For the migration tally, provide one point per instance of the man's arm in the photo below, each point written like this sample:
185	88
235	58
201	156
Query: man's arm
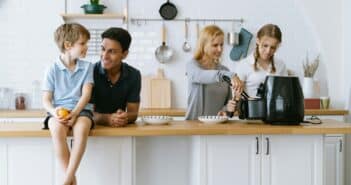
119	118
102	119
132	111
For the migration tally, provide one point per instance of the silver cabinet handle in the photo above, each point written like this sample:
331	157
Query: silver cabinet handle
257	146
268	149
340	145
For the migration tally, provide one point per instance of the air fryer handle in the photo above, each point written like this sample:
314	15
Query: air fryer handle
260	90
227	79
242	105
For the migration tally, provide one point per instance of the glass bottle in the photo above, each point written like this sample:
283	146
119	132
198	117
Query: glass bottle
36	95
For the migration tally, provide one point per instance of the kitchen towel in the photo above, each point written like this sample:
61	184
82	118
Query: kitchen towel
241	49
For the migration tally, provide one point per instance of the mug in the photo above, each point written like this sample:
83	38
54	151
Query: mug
325	101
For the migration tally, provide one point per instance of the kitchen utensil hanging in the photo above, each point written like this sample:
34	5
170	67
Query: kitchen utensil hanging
233	36
168	11
164	53
197	30
186	45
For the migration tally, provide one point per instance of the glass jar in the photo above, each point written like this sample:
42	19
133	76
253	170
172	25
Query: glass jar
36	95
20	101
5	97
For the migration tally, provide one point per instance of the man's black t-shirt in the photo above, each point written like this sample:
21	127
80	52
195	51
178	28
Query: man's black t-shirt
109	97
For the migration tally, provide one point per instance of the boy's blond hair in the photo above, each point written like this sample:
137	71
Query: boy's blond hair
70	32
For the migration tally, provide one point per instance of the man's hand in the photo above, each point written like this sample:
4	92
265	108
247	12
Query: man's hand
119	119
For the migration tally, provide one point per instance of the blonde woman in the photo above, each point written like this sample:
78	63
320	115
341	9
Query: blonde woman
254	69
208	94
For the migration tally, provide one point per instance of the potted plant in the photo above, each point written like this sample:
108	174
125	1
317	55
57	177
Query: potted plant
94	7
309	68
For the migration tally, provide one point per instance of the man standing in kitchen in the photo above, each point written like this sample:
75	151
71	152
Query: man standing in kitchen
116	93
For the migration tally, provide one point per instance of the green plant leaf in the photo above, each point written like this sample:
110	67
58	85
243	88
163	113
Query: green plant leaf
94	2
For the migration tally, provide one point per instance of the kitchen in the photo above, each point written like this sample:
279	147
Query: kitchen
311	27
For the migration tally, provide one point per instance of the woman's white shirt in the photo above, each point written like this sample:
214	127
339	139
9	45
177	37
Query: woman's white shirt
252	78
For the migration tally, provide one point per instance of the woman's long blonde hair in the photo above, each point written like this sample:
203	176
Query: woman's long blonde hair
207	34
270	30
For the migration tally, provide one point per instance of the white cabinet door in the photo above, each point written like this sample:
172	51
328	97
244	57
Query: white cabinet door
334	160
292	159
26	161
162	160
3	162
107	161
228	160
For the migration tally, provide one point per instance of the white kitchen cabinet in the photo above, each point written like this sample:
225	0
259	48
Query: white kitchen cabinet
334	160
162	160
107	161
26	161
226	160
292	159
258	160
3	163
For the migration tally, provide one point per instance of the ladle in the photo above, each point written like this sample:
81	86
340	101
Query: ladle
164	53
186	45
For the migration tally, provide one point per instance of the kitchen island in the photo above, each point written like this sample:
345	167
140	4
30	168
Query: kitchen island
183	128
236	152
179	112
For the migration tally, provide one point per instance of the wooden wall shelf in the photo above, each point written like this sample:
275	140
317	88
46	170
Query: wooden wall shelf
93	16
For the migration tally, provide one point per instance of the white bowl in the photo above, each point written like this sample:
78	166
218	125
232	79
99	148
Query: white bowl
156	120
212	119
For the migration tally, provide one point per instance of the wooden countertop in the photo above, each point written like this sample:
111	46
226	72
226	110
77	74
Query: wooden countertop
42	113
235	127
148	112
330	112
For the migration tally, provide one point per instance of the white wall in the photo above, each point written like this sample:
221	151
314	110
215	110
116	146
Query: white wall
27	46
347	83
327	24
26	42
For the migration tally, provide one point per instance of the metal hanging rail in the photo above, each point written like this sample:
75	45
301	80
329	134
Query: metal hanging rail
136	20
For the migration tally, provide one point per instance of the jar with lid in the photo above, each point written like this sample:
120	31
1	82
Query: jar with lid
20	101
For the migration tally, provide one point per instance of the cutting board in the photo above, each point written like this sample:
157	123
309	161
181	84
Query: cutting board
156	91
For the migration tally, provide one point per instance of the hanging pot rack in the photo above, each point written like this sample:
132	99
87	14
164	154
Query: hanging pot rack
138	21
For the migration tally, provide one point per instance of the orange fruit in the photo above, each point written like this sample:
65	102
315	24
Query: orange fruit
62	112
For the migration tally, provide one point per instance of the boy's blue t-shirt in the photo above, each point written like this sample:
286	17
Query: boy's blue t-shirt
65	85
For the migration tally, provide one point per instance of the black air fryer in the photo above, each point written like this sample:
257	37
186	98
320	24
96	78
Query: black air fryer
280	103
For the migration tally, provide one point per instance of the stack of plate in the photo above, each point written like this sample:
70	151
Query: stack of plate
156	120
212	119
